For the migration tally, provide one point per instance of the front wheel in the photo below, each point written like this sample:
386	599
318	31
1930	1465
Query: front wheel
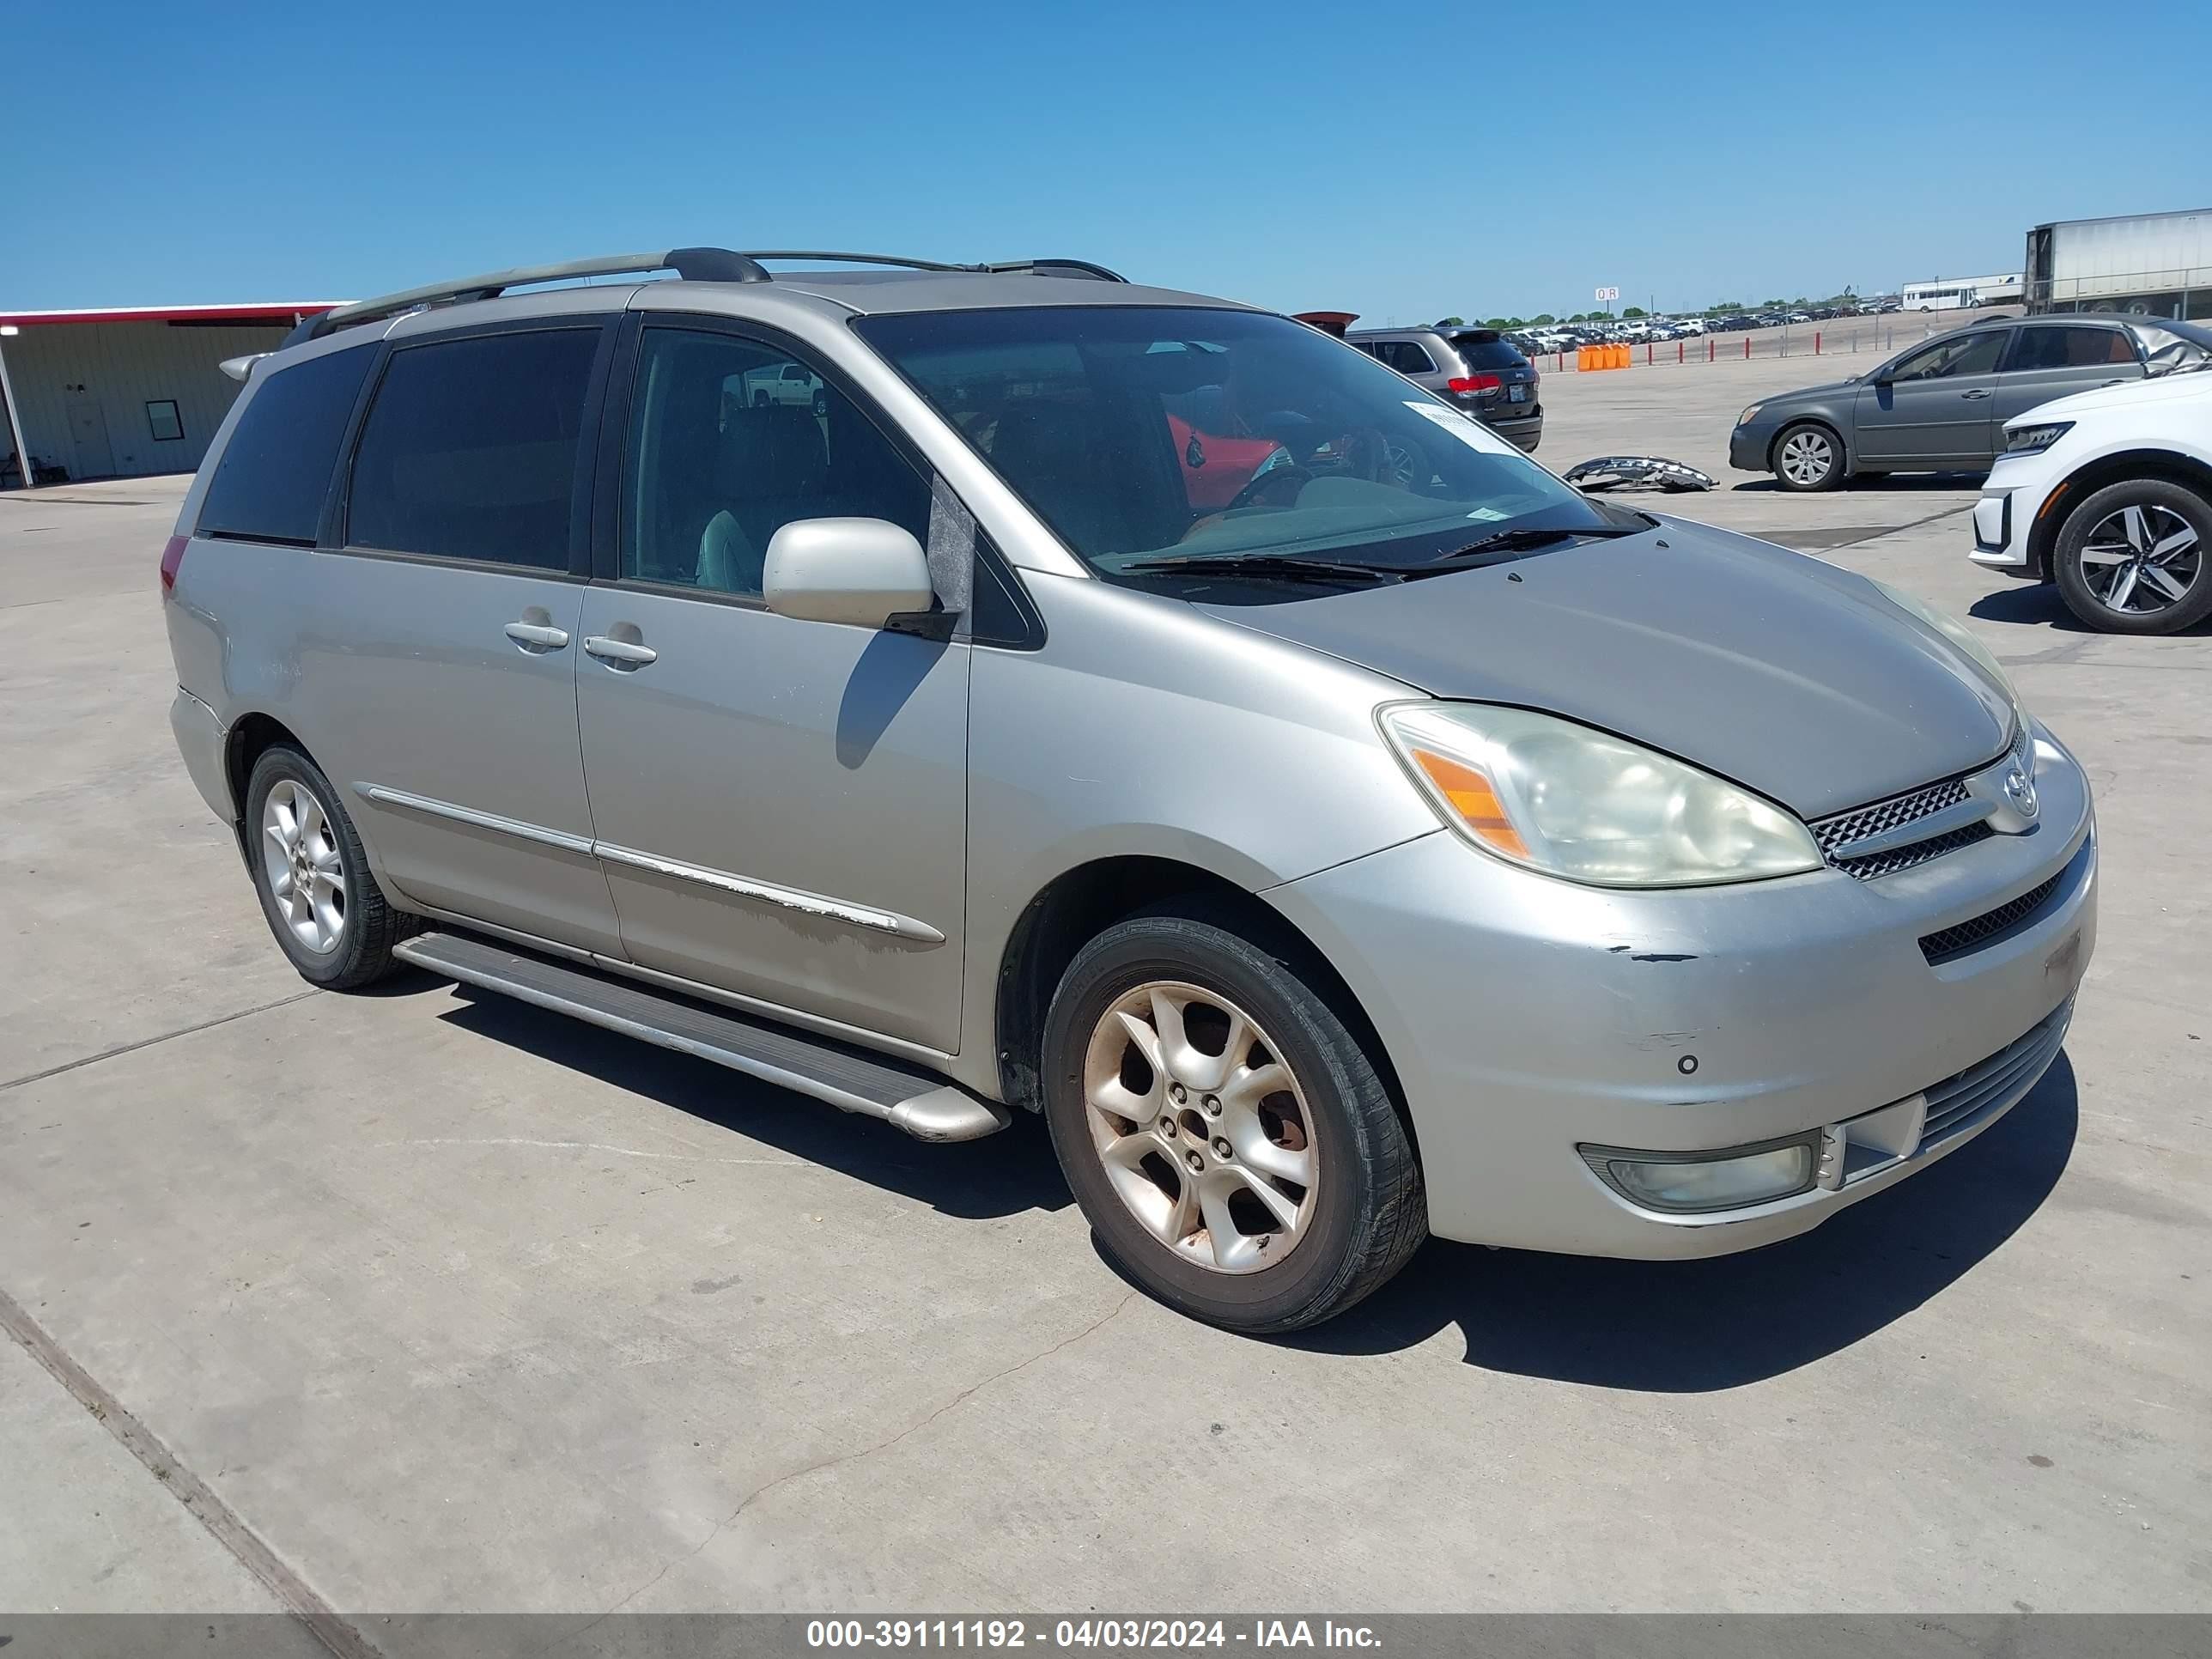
1233	1146
2131	558
1807	458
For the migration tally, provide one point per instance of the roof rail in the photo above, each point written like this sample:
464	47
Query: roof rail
694	265
697	265
1036	267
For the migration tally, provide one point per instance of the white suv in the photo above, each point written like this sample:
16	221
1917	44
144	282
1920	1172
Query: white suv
2109	494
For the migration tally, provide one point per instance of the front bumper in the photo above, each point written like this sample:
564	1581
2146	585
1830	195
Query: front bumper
1528	1019
2005	516
1750	448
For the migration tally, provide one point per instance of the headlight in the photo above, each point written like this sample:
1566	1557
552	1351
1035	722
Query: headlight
2034	439
1554	796
1744	419
1961	636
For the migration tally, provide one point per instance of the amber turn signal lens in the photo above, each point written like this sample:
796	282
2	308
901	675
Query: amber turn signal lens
1471	796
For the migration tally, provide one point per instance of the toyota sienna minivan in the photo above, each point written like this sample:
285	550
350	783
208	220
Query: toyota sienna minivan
1130	707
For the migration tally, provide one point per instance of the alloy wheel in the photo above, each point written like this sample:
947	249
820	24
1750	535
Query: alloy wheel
1806	458
1203	1131
305	869
2141	560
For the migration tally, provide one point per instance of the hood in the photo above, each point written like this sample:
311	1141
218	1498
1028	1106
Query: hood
2193	385
1828	389
1790	675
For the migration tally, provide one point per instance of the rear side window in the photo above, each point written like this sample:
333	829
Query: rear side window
270	484
2071	347
470	449
1407	357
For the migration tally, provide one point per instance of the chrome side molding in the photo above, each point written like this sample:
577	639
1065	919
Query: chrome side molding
764	892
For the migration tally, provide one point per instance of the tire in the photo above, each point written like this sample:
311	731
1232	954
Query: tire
821	404
1354	1221
1807	458
2107	549
361	924
760	400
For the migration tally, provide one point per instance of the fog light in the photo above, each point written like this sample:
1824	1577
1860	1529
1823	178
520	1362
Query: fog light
1690	1182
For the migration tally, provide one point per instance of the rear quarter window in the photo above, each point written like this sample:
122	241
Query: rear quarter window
270	482
1488	354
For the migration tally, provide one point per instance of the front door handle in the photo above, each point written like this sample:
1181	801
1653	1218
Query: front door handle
536	636
619	653
1984	393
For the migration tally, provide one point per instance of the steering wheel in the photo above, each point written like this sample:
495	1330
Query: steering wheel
1365	453
1267	483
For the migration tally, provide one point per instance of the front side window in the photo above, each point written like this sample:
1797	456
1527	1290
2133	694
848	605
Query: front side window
471	447
732	439
1137	433
276	468
1949	359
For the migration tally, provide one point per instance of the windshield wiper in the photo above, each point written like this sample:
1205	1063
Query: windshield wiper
1503	541
1284	565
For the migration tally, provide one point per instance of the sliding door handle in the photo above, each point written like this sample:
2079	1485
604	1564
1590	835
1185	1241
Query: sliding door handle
619	653
536	636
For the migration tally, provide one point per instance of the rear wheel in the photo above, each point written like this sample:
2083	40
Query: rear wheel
1233	1146
1807	458
313	877
2131	558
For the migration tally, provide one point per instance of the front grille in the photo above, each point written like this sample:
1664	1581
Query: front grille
1845	828
1904	858
1977	931
1958	1103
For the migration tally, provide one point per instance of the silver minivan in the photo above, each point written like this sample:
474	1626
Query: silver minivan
1130	707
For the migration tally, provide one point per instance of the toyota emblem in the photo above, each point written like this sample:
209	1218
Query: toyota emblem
2020	793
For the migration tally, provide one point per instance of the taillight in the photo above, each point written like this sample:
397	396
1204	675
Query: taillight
1475	383
172	556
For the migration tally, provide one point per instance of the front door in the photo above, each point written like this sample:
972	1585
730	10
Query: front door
1934	406
780	806
443	684
2060	359
95	456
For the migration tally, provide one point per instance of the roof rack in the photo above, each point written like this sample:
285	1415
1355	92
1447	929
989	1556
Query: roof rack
697	264
692	265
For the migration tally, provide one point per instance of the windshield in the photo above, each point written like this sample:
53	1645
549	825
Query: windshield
1139	434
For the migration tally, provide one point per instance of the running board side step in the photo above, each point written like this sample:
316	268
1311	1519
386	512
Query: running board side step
852	1079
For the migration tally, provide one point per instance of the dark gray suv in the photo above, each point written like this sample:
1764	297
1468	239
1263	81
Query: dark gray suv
1476	369
1940	404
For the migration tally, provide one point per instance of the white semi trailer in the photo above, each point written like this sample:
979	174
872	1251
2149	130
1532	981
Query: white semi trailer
2149	264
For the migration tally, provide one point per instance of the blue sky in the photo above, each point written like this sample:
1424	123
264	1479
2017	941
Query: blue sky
1403	161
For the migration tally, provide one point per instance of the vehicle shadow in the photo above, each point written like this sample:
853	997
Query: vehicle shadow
2038	604
1695	1327
2031	604
1009	1174
1879	484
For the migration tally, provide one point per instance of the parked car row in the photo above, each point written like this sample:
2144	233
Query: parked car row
1567	337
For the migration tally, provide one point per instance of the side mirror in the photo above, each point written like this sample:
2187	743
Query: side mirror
861	572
